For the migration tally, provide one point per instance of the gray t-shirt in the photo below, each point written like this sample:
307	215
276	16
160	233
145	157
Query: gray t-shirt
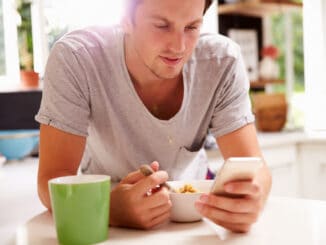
88	92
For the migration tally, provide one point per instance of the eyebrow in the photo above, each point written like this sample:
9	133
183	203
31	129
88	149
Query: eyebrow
197	21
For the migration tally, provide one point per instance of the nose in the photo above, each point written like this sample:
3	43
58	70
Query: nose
177	42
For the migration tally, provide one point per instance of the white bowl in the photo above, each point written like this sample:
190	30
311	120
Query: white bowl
183	204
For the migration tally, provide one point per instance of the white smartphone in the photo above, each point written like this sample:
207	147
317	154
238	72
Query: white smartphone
235	169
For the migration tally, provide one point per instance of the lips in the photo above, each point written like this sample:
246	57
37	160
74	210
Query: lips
171	61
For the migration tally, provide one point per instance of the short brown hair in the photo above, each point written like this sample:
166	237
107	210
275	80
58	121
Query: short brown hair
132	4
207	4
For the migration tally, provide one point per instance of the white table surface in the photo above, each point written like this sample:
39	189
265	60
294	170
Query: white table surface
284	221
18	196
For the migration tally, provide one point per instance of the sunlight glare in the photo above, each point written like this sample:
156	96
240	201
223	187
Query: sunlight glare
81	13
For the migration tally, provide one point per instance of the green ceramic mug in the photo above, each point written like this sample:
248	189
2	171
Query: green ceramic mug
80	206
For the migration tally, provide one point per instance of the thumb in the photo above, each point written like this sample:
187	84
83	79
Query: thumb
155	166
151	181
135	176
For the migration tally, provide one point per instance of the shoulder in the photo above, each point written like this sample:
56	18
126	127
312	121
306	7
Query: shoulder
215	46
87	38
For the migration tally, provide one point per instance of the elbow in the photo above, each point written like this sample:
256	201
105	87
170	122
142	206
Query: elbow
43	192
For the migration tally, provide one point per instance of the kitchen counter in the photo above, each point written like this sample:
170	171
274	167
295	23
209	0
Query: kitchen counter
18	196
267	139
270	139
274	145
273	139
296	161
284	221
23	219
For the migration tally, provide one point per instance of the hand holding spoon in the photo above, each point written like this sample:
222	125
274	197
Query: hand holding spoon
147	170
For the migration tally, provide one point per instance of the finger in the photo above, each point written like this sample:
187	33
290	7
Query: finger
132	177
240	228
155	166
219	215
243	188
158	198
153	214
151	181
160	210
160	219
235	205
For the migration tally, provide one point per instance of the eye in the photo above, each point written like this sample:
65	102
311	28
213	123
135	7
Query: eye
162	26
192	27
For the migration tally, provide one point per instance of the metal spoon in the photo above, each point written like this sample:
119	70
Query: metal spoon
147	170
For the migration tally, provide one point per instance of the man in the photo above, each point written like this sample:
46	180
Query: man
116	98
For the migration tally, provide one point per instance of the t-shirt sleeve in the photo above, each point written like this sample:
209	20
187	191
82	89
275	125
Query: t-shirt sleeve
65	100
233	107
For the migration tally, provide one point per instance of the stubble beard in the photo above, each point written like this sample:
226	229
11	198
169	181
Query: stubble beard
162	75
155	72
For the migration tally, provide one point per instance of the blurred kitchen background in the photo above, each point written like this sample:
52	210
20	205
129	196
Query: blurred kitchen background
283	43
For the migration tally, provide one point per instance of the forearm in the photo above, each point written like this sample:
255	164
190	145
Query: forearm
60	155
43	189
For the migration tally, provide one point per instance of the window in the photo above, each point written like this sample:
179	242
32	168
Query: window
315	63
9	67
53	18
61	15
289	26
2	44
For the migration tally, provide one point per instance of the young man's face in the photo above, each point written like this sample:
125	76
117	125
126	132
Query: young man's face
163	35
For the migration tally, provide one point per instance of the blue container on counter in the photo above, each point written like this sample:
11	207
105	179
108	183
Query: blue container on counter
18	143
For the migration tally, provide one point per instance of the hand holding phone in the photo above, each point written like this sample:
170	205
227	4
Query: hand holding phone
235	169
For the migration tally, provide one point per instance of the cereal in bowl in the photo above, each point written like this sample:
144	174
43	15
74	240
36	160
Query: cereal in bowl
187	188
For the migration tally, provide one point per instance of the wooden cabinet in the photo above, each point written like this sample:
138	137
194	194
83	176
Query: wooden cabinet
297	164
259	84
282	161
312	158
258	7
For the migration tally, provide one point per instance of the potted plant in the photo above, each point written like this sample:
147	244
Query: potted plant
29	77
